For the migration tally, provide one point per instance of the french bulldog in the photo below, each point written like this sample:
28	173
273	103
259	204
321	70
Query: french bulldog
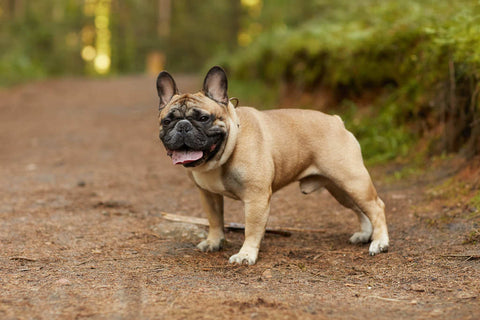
247	154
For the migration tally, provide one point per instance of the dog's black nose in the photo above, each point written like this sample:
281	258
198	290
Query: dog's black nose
183	126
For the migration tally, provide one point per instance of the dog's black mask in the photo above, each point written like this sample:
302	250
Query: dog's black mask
190	136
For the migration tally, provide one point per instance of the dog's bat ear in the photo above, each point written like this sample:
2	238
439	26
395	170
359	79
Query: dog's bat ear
166	88
215	85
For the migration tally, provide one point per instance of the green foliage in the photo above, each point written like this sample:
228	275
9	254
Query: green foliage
44	37
362	43
355	46
134	34
199	30
253	93
379	131
41	42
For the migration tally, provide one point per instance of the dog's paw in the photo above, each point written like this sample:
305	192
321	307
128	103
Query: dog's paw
360	237
211	245
378	246
243	258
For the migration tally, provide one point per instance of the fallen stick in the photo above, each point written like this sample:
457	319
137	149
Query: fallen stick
23	259
473	256
179	218
233	226
388	299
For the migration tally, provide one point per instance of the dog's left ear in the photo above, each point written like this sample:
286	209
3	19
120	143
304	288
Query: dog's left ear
166	88
215	85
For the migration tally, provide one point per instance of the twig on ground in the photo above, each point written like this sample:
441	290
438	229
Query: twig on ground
84	262
283	231
23	259
388	299
473	256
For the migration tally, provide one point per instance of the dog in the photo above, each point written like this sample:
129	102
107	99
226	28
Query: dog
246	154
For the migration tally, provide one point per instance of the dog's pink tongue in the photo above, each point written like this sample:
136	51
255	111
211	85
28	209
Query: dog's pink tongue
182	157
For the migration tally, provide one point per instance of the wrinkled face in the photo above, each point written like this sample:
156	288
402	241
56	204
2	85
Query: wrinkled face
193	129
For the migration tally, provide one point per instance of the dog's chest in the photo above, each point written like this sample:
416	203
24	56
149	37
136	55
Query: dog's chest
212	181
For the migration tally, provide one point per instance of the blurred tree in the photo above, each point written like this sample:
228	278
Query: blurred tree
134	34
39	38
164	14
47	37
261	16
199	30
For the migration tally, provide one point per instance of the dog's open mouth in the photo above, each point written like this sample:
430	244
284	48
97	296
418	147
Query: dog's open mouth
188	157
185	156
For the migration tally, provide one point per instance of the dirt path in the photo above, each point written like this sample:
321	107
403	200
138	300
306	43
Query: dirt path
84	179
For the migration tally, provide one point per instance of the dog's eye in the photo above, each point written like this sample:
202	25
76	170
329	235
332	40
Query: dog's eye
204	118
166	122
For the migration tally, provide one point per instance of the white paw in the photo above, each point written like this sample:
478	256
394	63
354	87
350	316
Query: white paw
360	237
378	246
211	245
243	258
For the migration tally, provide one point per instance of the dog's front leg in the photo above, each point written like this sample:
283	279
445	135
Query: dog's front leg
256	216
213	205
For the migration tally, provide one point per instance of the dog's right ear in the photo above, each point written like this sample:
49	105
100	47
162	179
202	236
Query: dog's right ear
166	88
215	85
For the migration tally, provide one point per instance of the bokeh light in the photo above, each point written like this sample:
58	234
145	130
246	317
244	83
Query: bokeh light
88	53
102	63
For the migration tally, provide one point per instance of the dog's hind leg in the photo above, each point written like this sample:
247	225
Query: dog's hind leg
366	229
370	210
353	179
315	182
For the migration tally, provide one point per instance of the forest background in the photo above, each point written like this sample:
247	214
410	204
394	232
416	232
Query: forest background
403	74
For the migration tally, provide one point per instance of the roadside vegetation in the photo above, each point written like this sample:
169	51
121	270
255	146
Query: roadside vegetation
399	71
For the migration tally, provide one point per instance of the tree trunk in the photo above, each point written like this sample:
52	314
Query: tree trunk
164	14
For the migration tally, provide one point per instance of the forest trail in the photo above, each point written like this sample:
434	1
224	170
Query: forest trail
84	180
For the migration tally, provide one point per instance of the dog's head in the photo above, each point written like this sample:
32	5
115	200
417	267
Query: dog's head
194	128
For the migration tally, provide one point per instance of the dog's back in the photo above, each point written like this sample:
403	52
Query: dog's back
314	142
